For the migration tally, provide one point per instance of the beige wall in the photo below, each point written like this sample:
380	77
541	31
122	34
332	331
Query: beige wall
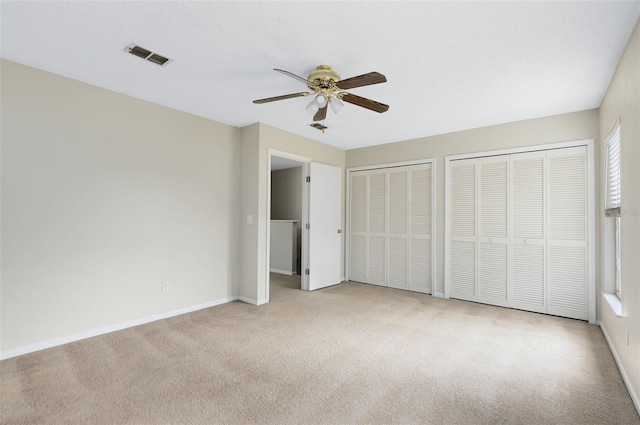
104	197
559	128
249	177
286	194
254	197
286	199
622	100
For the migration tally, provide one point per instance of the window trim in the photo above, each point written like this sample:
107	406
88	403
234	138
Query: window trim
617	254
613	201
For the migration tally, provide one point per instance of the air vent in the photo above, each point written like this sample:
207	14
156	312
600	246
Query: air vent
318	126
147	54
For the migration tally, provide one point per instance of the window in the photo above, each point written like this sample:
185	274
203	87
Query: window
612	208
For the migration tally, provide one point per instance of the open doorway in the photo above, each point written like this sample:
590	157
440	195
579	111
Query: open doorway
321	242
286	218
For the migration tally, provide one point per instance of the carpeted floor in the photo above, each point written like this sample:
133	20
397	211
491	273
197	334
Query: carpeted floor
347	354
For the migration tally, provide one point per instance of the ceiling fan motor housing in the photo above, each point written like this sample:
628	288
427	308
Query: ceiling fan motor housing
323	75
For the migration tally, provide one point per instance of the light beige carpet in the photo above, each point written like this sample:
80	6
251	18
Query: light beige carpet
348	354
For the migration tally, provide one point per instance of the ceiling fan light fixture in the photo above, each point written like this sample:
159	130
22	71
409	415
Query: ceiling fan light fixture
312	108
320	101
336	105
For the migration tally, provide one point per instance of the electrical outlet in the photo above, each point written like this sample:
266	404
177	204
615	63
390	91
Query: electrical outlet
626	335
165	286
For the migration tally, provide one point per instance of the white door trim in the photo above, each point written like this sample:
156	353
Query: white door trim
304	283
522	149
589	143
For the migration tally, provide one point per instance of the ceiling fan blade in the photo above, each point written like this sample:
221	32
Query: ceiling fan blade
303	80
321	114
364	102
285	96
361	80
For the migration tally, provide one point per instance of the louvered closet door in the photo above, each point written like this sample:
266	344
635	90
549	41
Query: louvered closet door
398	260
528	249
420	228
462	233
493	252
358	227
377	227
390	227
567	233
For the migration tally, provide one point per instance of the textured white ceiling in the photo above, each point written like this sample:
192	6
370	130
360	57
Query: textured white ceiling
450	65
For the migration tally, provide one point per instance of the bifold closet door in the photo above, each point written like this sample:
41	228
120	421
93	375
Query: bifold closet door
528	231
567	265
479	244
410	224
420	236
398	261
377	228
368	227
390	227
358	227
462	235
493	223
518	231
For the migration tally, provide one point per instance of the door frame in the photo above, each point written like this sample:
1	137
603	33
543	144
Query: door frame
591	221
304	279
347	250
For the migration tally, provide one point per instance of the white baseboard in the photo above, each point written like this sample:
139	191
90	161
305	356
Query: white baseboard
625	377
14	352
287	272
252	301
248	300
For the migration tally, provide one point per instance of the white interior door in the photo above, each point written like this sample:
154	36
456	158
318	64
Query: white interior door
324	225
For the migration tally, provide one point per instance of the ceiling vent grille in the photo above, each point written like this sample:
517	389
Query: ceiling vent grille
147	54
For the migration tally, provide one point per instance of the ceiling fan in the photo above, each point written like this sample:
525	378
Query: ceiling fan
326	85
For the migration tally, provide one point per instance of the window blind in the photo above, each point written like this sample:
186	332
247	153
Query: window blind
612	208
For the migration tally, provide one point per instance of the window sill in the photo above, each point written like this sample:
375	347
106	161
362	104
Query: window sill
614	303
